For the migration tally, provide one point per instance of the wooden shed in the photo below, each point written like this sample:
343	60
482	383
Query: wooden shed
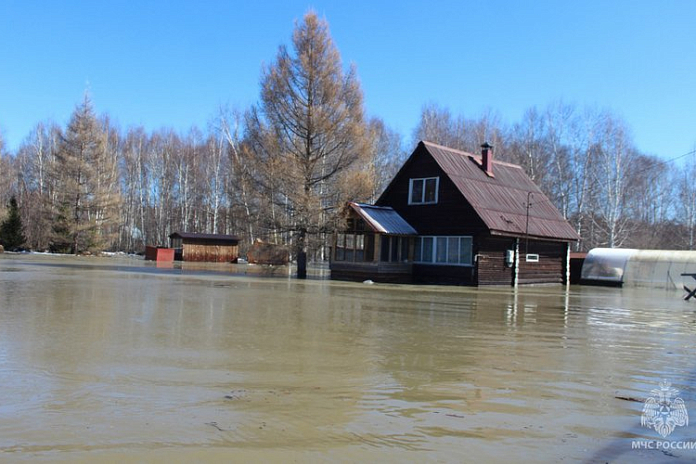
159	254
211	248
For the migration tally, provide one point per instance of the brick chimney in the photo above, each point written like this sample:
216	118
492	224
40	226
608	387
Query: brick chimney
487	158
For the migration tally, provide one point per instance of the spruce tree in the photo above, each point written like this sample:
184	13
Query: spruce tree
11	235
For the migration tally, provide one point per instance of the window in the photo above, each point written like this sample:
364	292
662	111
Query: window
352	247
453	250
384	249
423	191
427	256
359	248
341	248
444	250
394	249
405	242
441	250
532	258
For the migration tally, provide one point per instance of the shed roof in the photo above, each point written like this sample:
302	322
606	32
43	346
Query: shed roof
501	200
383	219
193	235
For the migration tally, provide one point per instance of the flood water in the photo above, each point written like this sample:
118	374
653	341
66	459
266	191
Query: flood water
115	360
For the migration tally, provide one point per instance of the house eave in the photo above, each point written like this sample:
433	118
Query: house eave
499	233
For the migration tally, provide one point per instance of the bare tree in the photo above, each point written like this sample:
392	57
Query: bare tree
37	193
8	176
386	157
530	147
687	200
238	188
136	179
437	125
306	132
614	155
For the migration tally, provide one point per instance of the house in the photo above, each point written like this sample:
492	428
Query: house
455	218
212	248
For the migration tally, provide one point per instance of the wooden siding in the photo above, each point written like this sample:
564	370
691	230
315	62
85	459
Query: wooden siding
551	265
448	275
153	253
576	262
452	215
210	253
490	265
400	273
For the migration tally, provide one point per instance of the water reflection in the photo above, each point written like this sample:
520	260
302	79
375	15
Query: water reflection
121	359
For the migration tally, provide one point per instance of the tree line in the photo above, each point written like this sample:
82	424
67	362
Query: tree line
282	169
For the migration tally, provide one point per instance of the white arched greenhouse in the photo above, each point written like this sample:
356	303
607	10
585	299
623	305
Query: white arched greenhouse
640	268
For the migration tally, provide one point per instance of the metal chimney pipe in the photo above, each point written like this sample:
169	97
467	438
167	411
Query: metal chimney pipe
487	158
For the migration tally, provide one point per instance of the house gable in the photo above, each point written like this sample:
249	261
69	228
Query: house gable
452	214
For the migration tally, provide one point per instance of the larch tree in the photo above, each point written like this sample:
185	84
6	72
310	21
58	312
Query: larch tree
87	191
306	133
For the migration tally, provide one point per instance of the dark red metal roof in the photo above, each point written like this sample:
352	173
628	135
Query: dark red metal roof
192	235
501	200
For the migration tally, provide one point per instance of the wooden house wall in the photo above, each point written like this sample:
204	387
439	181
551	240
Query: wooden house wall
452	215
551	265
395	273
490	265
210	253
439	274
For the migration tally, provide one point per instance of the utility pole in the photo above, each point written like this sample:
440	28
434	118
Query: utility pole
526	229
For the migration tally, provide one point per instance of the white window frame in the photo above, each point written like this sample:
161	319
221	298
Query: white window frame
424	180
447	238
532	258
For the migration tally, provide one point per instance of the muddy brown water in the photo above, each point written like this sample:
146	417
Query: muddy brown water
116	360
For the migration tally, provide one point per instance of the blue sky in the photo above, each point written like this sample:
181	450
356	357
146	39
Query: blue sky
172	64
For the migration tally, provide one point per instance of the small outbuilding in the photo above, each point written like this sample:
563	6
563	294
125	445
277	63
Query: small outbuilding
211	248
159	254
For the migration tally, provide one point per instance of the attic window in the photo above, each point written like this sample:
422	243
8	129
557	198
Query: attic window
423	191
